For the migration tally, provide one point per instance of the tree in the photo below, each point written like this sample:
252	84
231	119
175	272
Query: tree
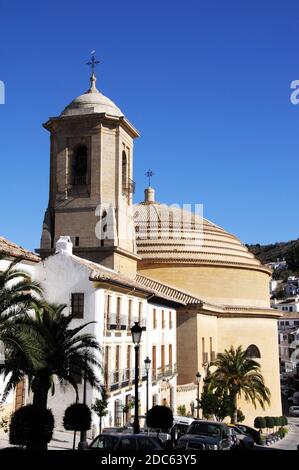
215	402
260	423
18	293
67	354
239	375
159	417
100	407
31	427
269	422
77	417
240	416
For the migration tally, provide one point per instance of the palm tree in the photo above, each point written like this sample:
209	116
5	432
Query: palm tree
239	375
66	352
18	293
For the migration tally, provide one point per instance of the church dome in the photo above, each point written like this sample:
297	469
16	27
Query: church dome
92	101
171	234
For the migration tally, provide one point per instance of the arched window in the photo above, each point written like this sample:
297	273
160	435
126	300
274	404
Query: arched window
124	174
79	167
253	352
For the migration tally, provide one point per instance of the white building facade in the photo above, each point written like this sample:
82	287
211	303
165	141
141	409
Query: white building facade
113	303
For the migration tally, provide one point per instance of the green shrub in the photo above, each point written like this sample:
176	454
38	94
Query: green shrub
31	427
240	416
276	421
281	421
77	417
282	432
181	410
269	422
286	422
159	417
260	423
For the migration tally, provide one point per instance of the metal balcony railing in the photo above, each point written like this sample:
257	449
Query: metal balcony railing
122	378
163	372
129	188
79	180
116	321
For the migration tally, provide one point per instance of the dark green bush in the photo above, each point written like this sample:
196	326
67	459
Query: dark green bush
159	417
31	427
286	422
77	417
276	421
260	422
282	432
281	421
269	422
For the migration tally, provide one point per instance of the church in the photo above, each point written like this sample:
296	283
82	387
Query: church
195	286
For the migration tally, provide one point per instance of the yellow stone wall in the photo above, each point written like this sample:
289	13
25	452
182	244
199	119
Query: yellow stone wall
263	333
215	284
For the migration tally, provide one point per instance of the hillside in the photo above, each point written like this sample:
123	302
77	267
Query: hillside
269	253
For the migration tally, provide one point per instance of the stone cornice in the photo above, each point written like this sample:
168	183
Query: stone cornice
95	119
151	262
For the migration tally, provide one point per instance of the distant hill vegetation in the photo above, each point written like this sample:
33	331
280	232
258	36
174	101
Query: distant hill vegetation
270	253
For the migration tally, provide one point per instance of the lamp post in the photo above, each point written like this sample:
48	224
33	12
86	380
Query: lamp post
198	377
83	442
147	364
136	331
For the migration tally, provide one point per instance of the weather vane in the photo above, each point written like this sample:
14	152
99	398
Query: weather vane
93	62
149	174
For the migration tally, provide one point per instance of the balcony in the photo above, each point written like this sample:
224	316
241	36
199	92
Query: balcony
163	372
116	322
79	180
129	188
122	378
130	323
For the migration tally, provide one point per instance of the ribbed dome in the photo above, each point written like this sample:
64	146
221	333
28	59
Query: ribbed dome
171	234
93	101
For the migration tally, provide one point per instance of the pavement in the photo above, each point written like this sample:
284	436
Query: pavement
62	440
291	440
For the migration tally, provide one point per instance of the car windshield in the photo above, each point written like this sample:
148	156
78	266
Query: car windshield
238	431
104	442
205	429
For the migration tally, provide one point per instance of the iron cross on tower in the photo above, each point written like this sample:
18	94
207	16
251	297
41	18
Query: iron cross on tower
93	62
149	174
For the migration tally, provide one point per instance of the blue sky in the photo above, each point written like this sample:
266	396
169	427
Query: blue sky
207	83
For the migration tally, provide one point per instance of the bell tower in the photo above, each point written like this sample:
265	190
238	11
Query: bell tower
91	185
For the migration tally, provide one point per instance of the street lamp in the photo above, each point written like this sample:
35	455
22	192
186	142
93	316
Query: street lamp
136	331
83	434
147	364
198	377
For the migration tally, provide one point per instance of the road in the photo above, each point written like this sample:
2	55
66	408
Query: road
291	441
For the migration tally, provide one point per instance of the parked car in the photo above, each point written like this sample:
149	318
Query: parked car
294	411
284	389
206	435
242	440
125	441
296	398
251	432
179	427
